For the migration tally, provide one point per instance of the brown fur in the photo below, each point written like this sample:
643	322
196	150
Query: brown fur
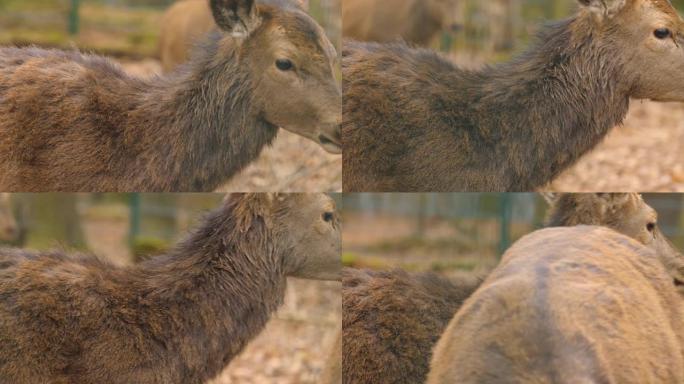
183	24
178	318
391	320
74	122
413	121
568	305
415	21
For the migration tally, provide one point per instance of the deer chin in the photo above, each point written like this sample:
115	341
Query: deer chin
329	141
329	145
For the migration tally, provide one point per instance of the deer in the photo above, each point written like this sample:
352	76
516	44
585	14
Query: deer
581	304
78	123
414	21
414	121
393	319
175	318
184	24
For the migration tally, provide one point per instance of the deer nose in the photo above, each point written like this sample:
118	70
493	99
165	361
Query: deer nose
330	139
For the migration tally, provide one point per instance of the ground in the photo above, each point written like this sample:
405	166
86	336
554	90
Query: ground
291	164
644	154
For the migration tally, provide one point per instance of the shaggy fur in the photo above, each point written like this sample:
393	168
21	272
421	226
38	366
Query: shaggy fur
74	122
413	121
177	318
391	321
568	305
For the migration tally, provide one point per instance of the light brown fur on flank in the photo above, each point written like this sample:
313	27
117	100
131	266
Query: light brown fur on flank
568	305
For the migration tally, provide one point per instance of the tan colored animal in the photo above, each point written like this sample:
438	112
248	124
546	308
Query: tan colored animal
182	26
415	21
9	229
177	318
414	122
74	122
568	305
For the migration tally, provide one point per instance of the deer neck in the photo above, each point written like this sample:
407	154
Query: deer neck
553	104
206	128
216	291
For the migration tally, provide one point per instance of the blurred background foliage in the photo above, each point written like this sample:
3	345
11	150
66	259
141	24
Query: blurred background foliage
499	28
461	233
123	228
120	28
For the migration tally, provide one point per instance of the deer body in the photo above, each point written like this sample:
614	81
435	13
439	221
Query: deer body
413	121
568	305
178	318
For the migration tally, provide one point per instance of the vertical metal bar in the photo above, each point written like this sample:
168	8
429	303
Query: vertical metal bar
506	216
74	17
134	218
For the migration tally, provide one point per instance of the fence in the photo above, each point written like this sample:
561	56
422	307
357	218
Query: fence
127	28
510	215
499	27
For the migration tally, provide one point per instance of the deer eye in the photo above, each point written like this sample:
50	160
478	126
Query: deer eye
662	33
284	64
328	217
650	227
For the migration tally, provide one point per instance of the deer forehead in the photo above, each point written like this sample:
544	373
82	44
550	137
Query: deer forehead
297	31
656	8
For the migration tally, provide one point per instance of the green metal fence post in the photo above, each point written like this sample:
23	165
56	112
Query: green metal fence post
73	17
506	217
134	207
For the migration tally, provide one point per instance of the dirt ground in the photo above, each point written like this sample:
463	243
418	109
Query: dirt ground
294	347
643	155
291	164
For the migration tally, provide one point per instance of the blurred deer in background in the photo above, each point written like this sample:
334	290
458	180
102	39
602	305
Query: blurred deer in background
415	21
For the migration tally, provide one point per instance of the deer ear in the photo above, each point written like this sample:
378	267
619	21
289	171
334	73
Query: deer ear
604	8
237	17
